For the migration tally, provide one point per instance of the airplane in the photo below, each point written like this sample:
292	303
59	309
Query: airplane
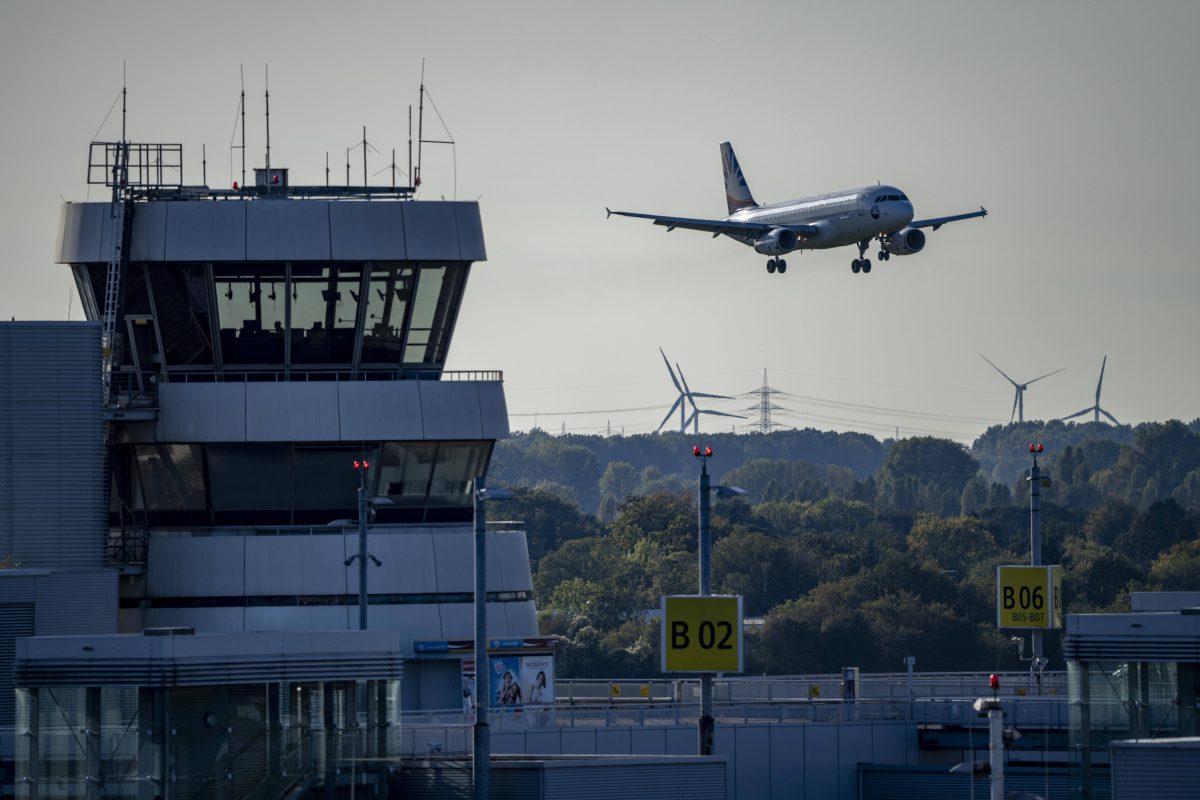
837	219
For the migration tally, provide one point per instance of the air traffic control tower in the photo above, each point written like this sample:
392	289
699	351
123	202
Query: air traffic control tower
257	342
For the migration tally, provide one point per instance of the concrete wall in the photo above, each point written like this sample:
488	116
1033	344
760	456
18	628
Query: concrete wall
278	230
416	561
325	412
797	761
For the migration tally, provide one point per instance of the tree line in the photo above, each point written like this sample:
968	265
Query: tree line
862	554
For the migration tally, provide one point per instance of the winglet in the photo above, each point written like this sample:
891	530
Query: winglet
984	210
607	212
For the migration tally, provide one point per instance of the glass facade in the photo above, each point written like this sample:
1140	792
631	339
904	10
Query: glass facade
260	740
1114	700
270	317
293	483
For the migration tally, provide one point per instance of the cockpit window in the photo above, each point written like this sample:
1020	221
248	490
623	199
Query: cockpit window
905	199
879	199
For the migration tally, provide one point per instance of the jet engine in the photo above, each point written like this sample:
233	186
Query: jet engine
906	242
777	242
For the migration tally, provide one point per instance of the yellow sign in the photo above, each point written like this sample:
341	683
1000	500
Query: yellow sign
701	634
616	690
644	690
1029	597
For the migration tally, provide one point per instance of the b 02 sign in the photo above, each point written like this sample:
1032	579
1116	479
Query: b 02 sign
1029	597
701	633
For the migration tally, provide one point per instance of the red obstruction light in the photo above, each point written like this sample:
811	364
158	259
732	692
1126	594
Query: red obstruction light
993	682
235	184
696	452
1031	448
1040	448
708	452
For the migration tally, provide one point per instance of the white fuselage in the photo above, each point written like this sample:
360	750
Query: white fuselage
842	218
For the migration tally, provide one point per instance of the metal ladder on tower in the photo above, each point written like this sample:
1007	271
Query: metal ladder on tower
119	214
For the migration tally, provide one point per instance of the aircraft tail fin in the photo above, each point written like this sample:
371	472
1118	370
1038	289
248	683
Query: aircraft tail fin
737	193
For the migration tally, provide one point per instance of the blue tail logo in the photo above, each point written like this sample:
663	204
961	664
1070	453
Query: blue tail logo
737	192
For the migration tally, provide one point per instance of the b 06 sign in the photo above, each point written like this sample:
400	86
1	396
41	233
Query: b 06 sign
1029	597
701	633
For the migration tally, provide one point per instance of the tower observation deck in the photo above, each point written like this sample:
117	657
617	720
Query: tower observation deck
263	339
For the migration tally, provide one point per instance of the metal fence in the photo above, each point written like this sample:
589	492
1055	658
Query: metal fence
875	686
449	731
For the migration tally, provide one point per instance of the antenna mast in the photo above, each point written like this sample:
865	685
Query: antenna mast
267	68
420	126
365	159
242	111
410	171
204	164
124	90
326	167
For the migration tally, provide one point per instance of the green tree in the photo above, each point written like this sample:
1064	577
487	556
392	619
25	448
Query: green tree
956	544
1109	522
620	479
763	569
548	519
913	464
1175	570
1095	577
1156	529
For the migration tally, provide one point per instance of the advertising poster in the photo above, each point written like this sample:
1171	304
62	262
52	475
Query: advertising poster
506	681
468	684
537	679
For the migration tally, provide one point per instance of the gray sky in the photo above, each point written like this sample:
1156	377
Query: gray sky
1074	123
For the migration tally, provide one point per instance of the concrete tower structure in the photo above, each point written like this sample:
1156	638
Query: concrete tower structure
262	340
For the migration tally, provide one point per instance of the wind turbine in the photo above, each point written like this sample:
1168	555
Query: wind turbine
1019	400
686	397
1096	409
696	412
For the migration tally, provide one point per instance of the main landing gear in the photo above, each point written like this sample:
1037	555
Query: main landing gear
777	265
862	264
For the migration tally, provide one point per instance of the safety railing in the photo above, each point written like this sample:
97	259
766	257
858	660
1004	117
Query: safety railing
342	376
822	686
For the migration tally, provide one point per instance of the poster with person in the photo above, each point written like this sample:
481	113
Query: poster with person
537	678
506	681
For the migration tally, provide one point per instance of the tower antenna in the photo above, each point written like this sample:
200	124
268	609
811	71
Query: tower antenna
204	164
242	111
327	168
123	93
420	127
364	144
410	171
267	93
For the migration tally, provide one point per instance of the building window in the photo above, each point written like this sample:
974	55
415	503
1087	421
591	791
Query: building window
251	306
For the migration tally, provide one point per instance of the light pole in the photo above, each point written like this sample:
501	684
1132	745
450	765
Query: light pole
704	727
1035	552
361	466
482	751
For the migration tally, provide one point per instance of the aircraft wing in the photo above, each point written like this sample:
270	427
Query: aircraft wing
938	222
717	226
